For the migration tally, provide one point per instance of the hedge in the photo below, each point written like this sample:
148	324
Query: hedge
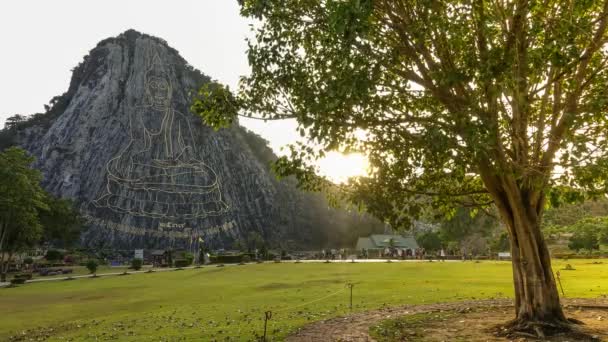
181	263
229	259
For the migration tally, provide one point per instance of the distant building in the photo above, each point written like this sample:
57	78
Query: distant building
160	257
378	242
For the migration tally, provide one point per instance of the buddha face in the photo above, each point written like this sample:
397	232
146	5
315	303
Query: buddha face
159	91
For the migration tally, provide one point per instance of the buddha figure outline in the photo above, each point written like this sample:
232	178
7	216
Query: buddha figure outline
158	174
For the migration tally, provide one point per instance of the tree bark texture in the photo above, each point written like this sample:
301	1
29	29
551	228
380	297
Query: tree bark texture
537	305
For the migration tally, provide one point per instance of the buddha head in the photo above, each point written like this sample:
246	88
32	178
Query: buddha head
157	85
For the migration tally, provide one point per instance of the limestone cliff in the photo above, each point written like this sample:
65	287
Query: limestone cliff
146	172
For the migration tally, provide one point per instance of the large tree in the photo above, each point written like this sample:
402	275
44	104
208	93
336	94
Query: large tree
21	199
456	103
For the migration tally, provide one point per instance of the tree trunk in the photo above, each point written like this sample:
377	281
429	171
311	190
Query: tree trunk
536	296
3	233
520	204
537	305
3	269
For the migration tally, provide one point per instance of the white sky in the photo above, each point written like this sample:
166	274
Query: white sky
42	41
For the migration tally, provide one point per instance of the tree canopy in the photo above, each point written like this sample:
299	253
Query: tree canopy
438	94
456	103
21	199
586	235
27	213
62	222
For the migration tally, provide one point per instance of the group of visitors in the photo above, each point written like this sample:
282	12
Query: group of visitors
403	253
390	252
333	254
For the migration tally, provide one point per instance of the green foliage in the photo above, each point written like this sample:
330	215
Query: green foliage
62	222
136	264
569	214
27	276
469	230
27	213
455	103
14	121
216	104
53	255
422	94
21	200
189	257
179	263
254	241
501	243
588	233
227	259
18	281
246	258
464	223
18	122
429	241
92	265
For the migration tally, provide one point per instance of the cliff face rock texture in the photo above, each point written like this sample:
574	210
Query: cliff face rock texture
145	172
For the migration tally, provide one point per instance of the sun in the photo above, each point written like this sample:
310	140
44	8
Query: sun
339	167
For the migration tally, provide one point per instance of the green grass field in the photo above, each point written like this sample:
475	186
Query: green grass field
81	270
228	304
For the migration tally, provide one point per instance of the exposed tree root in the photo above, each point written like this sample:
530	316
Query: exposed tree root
575	321
541	330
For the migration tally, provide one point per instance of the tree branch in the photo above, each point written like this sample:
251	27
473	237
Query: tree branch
570	109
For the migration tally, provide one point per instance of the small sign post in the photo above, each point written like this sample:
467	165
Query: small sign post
139	254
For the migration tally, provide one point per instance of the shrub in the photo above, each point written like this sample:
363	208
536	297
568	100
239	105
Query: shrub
26	276
136	264
28	261
53	255
189	257
564	256
226	259
179	263
92	266
584	239
246	258
18	281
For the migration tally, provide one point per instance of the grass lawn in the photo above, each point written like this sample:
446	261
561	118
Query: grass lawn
228	304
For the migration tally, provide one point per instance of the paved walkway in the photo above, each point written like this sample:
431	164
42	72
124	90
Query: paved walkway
372	260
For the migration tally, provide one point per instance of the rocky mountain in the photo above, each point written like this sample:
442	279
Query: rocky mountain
146	173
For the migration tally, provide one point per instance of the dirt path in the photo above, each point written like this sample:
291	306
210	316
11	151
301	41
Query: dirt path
356	327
